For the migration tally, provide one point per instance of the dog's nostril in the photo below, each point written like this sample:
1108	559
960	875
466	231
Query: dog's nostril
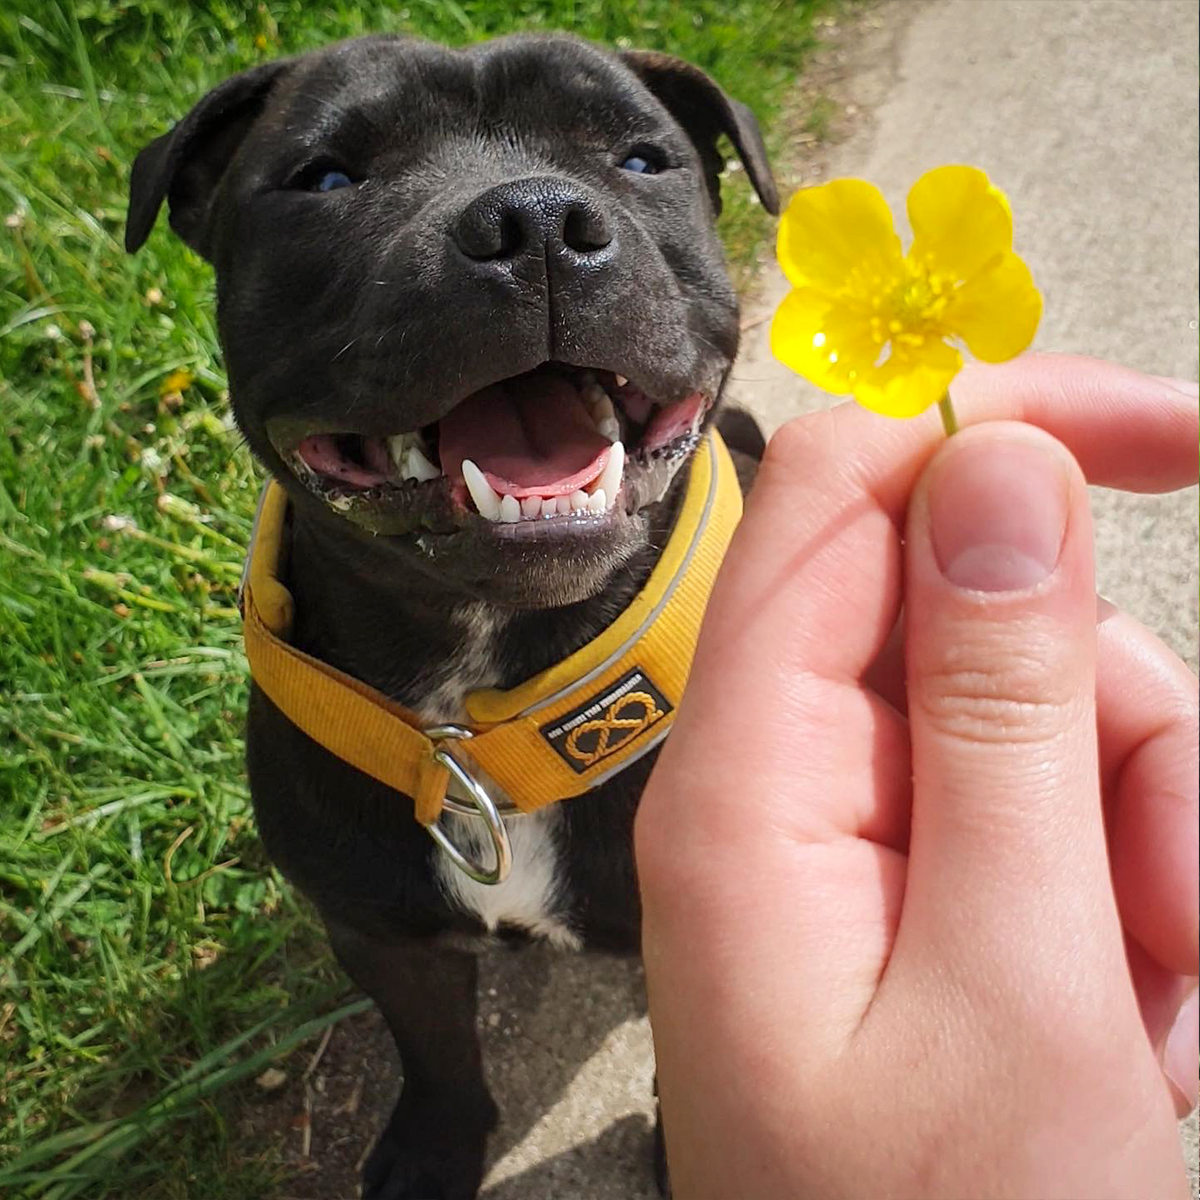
532	216
585	229
511	235
488	231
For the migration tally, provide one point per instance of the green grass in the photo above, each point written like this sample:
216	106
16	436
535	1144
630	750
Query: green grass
150	958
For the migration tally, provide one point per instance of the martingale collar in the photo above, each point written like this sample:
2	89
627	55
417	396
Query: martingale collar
557	735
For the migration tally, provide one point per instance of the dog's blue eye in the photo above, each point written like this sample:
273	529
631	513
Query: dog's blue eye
332	180
639	165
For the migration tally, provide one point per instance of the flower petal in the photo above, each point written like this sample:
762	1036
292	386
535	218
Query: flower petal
827	342
997	312
833	233
910	381
960	221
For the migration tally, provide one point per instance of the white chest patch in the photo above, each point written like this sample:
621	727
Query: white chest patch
530	896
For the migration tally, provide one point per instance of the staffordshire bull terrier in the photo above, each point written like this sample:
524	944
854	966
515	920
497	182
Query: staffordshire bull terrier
476	323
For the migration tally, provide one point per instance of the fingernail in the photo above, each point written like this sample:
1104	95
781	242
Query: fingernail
1181	1052
998	512
1187	386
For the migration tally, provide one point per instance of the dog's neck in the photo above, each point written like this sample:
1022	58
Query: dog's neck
422	643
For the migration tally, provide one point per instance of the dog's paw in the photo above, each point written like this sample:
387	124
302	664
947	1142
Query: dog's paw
419	1169
403	1181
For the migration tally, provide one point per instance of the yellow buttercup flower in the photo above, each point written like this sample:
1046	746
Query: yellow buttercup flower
865	318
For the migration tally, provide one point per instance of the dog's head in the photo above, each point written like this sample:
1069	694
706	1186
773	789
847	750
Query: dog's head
448	281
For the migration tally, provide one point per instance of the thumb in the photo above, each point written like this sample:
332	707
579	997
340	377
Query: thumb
1007	836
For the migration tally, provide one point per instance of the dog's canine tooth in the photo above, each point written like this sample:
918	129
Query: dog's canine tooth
597	501
485	497
531	507
417	466
579	501
510	510
610	428
610	478
621	381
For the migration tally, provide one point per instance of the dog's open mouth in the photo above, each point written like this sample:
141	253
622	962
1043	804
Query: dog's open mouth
556	448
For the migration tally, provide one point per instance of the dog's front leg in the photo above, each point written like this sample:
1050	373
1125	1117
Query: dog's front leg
433	1146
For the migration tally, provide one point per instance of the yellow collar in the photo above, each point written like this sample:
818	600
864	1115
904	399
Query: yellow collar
554	736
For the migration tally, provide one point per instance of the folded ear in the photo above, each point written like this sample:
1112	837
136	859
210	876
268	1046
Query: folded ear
185	165
706	112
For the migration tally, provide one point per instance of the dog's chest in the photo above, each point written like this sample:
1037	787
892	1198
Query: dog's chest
533	896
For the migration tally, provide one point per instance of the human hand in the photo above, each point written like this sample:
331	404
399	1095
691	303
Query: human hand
885	951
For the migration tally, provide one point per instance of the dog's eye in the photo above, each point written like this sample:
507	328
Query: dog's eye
642	162
319	177
329	181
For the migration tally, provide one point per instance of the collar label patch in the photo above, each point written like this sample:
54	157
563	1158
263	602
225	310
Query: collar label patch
610	720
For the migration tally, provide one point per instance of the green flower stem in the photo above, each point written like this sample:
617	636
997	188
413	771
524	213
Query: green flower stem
949	420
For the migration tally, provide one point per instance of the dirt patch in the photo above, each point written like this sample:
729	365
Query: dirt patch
322	1122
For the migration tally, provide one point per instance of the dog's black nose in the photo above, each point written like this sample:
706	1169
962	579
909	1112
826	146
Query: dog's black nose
540	216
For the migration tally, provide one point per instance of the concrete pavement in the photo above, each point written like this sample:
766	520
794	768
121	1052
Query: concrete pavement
1084	111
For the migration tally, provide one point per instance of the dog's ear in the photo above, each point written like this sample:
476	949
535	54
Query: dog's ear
706	112
185	165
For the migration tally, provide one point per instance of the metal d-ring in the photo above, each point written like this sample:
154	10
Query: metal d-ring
482	806
461	808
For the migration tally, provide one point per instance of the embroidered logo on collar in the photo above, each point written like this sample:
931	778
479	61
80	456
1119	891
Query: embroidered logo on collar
603	724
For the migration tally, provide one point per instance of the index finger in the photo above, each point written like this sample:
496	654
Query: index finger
820	537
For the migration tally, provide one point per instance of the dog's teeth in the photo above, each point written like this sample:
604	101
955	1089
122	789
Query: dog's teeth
602	408
485	497
531	507
562	506
399	445
597	501
592	393
302	468
579	501
605	417
610	477
621	380
417	466
510	510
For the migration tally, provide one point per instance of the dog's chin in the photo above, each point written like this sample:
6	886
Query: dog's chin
531	491
530	572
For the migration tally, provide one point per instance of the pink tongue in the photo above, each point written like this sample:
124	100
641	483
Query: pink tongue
529	437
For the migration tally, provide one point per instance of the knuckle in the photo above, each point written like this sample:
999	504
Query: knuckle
796	442
1022	697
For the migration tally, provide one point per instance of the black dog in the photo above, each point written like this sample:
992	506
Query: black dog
426	256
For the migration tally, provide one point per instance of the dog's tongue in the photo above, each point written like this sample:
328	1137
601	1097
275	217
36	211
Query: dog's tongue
530	437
